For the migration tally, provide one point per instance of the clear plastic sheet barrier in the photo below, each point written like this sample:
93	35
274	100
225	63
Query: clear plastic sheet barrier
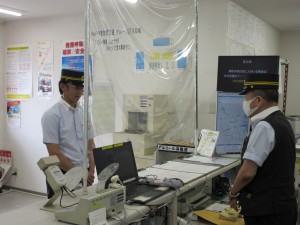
143	79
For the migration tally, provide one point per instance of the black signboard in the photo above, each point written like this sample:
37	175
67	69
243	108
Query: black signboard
232	70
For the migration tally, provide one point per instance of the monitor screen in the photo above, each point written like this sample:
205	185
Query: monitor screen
121	153
231	122
232	70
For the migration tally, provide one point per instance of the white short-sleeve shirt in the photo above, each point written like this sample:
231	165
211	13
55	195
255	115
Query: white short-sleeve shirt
63	125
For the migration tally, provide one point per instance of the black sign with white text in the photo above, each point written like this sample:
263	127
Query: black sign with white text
232	70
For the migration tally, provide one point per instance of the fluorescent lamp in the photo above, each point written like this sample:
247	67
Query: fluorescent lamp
9	11
132	1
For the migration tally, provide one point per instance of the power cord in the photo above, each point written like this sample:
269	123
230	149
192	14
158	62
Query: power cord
70	194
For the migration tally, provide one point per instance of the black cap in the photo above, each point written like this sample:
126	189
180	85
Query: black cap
72	76
260	81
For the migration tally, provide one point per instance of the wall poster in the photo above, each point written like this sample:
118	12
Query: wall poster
73	55
13	114
18	72
45	69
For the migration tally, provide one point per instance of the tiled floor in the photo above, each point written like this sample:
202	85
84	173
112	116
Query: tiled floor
12	199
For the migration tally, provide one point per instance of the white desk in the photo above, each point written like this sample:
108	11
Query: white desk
33	215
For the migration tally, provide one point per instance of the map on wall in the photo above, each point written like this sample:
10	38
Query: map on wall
231	122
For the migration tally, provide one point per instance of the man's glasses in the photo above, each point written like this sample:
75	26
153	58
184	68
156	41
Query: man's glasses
79	88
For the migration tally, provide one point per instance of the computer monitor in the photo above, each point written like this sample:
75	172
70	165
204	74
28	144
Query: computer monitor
121	153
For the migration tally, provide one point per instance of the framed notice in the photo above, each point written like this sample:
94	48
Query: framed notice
232	70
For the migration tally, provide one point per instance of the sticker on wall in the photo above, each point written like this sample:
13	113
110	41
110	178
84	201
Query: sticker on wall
13	114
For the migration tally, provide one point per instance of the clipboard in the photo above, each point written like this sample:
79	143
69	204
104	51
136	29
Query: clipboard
213	217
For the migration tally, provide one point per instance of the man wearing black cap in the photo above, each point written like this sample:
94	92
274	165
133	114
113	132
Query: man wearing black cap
63	126
264	186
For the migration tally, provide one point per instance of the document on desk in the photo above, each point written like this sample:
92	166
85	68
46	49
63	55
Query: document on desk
98	217
217	207
161	174
215	160
186	167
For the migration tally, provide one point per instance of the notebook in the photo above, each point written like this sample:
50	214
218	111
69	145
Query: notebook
122	153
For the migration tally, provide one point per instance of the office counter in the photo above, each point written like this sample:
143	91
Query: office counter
33	215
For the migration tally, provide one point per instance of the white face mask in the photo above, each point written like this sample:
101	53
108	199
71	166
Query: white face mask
246	107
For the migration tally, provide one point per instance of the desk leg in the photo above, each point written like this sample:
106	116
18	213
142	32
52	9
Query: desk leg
172	217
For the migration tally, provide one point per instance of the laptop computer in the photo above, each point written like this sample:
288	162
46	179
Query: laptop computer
122	153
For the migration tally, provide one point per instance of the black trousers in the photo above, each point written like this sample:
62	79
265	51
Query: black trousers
284	218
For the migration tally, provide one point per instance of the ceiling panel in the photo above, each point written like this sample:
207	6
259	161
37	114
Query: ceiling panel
283	15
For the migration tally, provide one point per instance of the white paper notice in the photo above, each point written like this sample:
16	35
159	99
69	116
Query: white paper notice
98	217
18	72
207	143
217	207
186	167
214	160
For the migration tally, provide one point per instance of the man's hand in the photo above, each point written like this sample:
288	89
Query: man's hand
90	179
233	202
91	145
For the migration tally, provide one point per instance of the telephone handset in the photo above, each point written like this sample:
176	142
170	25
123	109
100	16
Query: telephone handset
55	177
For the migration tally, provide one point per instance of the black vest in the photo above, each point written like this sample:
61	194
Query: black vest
272	189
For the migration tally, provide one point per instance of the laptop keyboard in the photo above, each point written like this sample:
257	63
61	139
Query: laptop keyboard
133	191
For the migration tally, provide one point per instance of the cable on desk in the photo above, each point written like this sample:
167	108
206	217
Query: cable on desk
119	219
137	211
70	193
158	207
165	221
141	169
160	210
131	221
144	216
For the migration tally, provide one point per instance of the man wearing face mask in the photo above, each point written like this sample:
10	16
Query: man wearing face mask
264	186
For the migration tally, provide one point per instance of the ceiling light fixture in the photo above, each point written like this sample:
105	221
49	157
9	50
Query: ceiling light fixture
132	1
10	11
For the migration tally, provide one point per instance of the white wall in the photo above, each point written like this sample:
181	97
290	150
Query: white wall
290	50
213	42
212	21
2	103
26	142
